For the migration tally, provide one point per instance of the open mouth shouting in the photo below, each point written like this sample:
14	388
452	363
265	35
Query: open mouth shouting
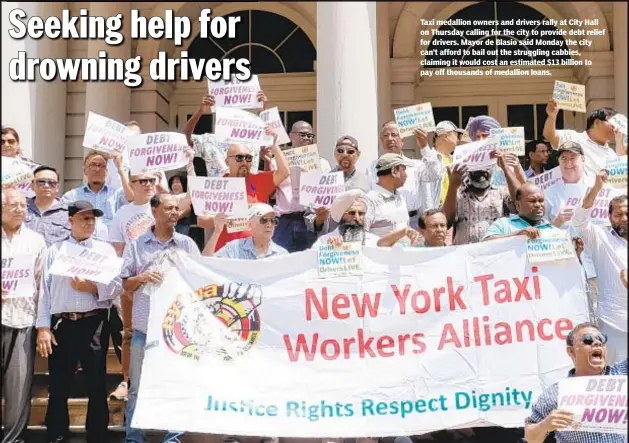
597	357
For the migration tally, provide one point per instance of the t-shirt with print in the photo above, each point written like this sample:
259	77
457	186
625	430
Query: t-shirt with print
259	188
595	155
130	222
214	152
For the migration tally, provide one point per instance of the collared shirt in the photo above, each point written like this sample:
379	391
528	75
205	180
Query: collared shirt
369	240
609	255
287	195
512	224
107	199
386	212
548	402
595	155
475	213
58	296
20	312
53	223
530	172
244	249
141	254
214	152
429	169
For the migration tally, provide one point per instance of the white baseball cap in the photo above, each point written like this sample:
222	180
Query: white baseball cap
260	210
446	126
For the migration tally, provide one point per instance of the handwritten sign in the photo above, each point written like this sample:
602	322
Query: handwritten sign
476	155
237	126
599	404
235	93
104	134
415	117
320	189
158	151
340	261
272	118
619	122
550	247
546	179
18	277
511	139
306	158
617	172
569	96
77	261
237	225
216	195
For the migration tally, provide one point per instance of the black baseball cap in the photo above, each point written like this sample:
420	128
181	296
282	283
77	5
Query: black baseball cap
570	147
83	206
347	140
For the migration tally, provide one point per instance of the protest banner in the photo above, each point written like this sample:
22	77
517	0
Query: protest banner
340	261
476	155
599	213
617	172
511	140
306	158
569	96
599	404
619	122
77	261
489	332
215	195
237	126
318	189
235	94
18	277
158	151
414	117
550	247
272	118
104	134
546	179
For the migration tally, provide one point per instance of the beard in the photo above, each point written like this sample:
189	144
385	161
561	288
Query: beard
480	179
352	232
620	230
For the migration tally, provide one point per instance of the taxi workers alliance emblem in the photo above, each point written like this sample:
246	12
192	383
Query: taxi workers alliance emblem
214	321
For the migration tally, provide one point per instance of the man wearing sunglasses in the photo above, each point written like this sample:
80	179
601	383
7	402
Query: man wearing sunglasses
587	347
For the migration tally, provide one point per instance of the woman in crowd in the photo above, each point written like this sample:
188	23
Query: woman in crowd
178	184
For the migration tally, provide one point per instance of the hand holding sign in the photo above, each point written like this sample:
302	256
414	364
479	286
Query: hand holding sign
557	419
456	174
421	138
565	215
207	103
531	232
82	285
220	220
262	98
552	109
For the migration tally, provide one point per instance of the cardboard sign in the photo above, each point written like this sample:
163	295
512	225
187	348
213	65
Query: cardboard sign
18	276
415	117
511	139
237	126
318	189
569	96
237	225
476	155
306	158
272	118
617	172
546	179
550	247
77	261
158	151
15	172
104	134
619	122
216	195
235	94
340	261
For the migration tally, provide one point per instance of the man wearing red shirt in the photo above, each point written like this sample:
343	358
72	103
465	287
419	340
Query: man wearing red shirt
259	186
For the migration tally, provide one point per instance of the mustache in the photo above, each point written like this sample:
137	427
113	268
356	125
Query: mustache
620	230
352	231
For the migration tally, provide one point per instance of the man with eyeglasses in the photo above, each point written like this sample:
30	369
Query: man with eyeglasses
587	347
46	213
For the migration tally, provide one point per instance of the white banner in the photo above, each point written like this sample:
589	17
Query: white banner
427	339
617	172
569	96
319	189
104	134
158	151
18	276
414	117
214	195
237	126
476	155
272	118
77	261
546	179
235	93
511	140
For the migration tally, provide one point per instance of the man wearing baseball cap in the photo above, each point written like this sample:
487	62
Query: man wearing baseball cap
72	326
262	221
447	137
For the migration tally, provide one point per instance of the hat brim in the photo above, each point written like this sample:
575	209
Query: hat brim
274	212
97	212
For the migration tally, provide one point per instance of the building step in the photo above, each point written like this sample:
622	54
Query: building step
113	365
78	388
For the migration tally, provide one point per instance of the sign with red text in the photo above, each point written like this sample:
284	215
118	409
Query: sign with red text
305	158
477	155
216	195
104	134
235	93
617	172
599	404
487	328
619	122
569	96
318	189
18	276
77	261
511	140
158	151
414	117
272	118
599	213
546	179
237	126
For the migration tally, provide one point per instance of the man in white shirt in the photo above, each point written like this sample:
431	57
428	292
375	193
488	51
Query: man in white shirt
608	246
18	313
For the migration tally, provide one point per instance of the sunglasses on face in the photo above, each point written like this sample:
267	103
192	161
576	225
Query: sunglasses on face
355	213
9	141
588	339
342	151
240	157
273	220
96	166
43	182
145	181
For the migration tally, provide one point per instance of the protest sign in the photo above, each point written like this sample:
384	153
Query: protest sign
237	126
569	96
104	134
619	122
215	195
306	158
340	261
18	277
599	213
15	172
599	404
511	140
272	118
546	179
617	172
318	189
158	151
235	93
237	225
476	155
550	247
489	332
77	261
414	117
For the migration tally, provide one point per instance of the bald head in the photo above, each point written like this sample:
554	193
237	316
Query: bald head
301	134
239	160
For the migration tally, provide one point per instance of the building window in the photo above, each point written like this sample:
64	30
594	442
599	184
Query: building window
459	115
536	46
272	43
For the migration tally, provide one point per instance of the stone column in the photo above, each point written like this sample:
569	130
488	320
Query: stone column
347	87
384	65
620	56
